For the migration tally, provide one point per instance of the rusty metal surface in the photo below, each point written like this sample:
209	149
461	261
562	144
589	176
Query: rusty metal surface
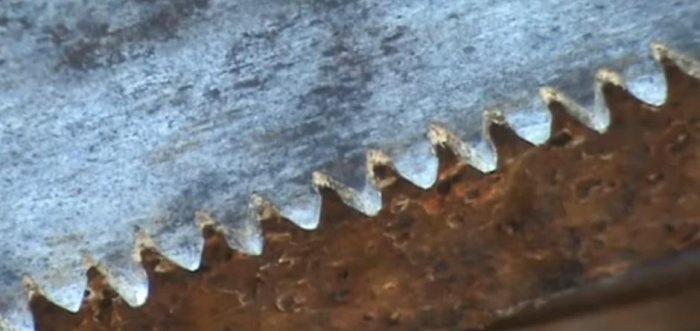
675	312
121	115
470	251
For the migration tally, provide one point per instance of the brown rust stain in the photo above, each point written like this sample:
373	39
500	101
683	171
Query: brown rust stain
557	217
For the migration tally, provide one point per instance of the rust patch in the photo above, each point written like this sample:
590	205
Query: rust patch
581	208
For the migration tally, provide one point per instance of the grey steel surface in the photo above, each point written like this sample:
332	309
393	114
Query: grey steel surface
124	115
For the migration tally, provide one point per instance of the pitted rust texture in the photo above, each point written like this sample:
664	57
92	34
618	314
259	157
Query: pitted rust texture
581	208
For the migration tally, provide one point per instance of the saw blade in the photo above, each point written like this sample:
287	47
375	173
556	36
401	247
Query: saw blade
582	222
120	121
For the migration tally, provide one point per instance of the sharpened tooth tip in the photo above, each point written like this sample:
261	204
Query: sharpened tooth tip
438	135
377	157
263	207
321	180
549	95
133	296
364	202
659	51
142	243
88	261
686	63
608	76
203	220
442	136
493	116
31	288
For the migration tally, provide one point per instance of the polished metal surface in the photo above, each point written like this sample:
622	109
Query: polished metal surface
118	117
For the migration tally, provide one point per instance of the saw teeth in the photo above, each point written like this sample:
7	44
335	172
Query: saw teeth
602	117
368	201
251	240
205	221
685	63
439	135
262	208
133	292
239	241
504	143
31	288
143	242
607	76
154	261
567	116
381	171
574	114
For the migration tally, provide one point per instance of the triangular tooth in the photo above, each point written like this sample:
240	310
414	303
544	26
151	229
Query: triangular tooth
142	243
131	285
147	254
604	79
383	174
481	160
684	62
503	141
206	223
321	180
91	263
246	239
216	247
619	115
31	288
95	292
605	76
263	208
567	114
444	144
440	135
674	64
570	123
368	201
99	290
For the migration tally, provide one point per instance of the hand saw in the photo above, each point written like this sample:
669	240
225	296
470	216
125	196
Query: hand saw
120	121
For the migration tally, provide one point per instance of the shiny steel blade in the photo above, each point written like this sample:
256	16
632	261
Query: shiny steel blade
125	117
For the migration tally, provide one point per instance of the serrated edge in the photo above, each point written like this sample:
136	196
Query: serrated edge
261	208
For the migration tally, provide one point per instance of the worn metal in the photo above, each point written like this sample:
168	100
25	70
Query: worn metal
583	221
123	116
